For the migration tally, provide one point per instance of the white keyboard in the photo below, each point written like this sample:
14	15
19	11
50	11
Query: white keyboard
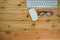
42	3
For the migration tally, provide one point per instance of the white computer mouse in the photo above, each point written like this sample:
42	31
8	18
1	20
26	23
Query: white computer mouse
33	14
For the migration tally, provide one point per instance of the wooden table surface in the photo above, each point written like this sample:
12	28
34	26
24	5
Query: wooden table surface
16	23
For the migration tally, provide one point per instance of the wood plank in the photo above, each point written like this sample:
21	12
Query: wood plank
24	15
31	35
29	25
16	23
12	4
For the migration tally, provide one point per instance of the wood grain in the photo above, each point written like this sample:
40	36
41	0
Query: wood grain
20	19
16	23
14	4
31	35
23	13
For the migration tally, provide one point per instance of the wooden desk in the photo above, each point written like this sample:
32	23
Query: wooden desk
16	23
